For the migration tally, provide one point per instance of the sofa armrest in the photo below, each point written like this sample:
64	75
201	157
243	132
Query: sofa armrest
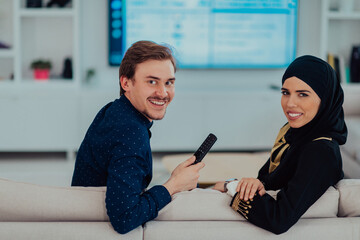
349	201
27	202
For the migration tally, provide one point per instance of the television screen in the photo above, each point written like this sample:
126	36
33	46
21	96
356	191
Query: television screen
208	33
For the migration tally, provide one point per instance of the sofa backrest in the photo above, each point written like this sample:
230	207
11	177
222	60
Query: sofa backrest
24	202
207	204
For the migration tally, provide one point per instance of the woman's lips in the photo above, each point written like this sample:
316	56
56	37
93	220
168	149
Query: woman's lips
294	115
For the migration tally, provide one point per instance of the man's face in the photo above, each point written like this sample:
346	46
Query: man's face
152	88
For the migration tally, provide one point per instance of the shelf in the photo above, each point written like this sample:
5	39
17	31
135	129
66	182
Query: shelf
59	81
47	12
33	85
332	15
6	81
6	53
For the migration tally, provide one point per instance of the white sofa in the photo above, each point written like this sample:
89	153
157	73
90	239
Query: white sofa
29	211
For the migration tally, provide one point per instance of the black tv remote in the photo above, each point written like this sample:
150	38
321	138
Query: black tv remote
204	148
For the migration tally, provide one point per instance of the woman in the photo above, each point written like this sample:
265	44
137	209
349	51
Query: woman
305	160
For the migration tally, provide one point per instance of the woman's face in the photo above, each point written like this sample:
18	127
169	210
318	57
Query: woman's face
299	101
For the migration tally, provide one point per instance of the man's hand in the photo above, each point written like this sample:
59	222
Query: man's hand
184	177
247	188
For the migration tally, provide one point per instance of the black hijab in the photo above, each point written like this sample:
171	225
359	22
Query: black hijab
329	121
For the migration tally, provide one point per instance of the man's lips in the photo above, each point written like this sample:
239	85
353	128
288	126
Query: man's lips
294	115
158	102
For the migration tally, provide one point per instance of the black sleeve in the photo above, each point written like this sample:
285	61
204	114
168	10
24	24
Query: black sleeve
264	173
319	167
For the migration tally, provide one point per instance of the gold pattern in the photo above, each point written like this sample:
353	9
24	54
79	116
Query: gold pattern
241	206
280	143
323	138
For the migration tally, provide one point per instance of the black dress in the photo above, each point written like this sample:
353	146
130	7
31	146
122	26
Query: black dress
310	160
302	180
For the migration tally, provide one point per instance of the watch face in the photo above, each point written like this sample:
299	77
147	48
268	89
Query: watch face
231	179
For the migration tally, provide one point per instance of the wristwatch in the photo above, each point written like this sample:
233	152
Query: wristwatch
227	181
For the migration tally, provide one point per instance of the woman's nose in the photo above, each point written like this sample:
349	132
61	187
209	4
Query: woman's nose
292	102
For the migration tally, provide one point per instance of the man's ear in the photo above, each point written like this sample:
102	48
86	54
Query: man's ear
125	83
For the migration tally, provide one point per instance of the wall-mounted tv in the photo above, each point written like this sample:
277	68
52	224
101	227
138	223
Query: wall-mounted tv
208	33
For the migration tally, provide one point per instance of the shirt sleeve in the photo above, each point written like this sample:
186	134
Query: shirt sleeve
319	167
128	203
231	186
128	206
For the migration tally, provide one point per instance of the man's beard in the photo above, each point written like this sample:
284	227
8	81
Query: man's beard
148	115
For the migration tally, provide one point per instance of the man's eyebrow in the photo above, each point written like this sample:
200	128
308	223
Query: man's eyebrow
156	78
153	77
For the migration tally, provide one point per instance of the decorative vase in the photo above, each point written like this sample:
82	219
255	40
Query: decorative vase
41	74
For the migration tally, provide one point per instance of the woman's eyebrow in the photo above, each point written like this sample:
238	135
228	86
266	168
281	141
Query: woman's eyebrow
300	91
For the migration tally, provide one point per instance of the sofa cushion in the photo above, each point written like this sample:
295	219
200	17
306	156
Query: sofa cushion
309	229
208	204
30	202
65	230
349	201
199	204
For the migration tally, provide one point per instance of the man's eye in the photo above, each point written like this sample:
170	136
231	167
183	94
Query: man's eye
284	93
152	82
169	83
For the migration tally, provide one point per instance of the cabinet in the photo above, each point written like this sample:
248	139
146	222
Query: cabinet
7	60
339	29
38	33
38	115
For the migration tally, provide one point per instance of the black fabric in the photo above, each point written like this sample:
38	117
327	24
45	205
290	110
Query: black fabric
329	121
307	168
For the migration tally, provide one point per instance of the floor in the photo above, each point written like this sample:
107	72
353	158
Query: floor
54	169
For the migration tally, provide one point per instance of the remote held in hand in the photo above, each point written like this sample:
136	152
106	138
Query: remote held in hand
204	148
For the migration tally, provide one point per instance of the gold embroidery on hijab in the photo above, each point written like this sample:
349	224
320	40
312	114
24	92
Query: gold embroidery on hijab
281	145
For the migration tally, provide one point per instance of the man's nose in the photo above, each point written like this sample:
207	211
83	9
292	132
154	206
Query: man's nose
161	90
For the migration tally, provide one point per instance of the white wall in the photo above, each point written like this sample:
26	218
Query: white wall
94	50
237	105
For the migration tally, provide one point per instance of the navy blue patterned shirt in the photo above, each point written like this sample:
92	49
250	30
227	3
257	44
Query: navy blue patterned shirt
116	153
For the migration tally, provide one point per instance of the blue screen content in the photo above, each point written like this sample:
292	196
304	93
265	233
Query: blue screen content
208	33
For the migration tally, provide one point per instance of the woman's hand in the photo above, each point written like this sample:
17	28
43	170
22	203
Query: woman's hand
247	188
220	186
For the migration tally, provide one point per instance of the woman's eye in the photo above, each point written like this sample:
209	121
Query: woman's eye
152	82
303	95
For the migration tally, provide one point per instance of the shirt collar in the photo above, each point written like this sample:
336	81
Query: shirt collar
136	113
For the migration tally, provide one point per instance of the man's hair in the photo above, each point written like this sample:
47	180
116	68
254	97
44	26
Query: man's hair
140	52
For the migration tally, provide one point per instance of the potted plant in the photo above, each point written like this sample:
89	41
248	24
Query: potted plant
41	69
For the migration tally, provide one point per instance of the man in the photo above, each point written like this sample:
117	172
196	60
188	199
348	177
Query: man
116	150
